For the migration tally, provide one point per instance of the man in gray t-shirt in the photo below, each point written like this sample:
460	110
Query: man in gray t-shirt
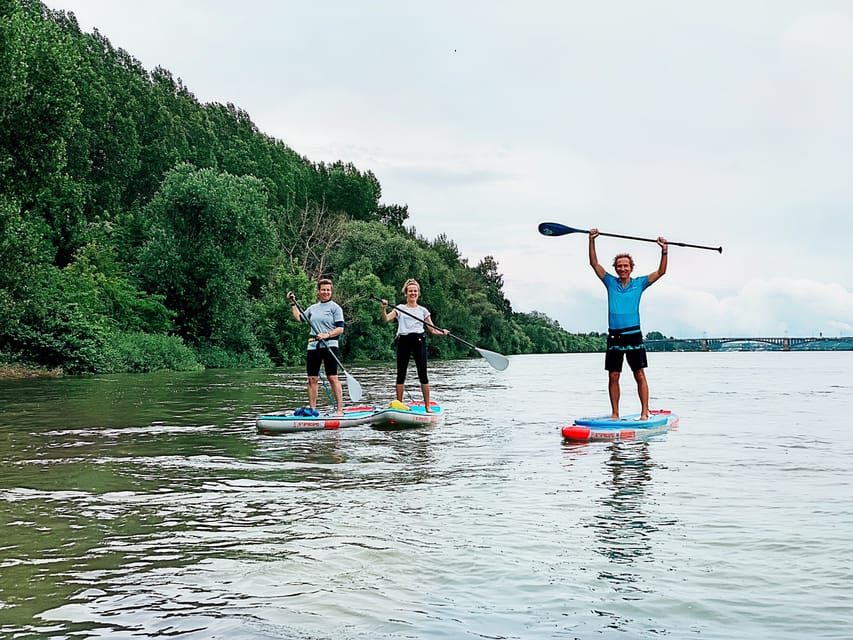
326	319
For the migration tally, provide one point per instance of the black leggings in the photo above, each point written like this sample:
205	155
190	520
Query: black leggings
412	344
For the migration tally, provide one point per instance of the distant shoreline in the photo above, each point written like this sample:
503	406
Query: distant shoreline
18	372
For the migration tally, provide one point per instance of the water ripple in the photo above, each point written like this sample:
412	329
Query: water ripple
144	507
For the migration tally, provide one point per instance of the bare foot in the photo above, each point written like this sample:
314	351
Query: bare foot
614	416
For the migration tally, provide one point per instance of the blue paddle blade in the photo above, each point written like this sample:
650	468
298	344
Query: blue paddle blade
557	229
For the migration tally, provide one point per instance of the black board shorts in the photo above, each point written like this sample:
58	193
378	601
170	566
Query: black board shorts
324	356
625	344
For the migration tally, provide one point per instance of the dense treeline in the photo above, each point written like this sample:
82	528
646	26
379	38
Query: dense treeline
141	229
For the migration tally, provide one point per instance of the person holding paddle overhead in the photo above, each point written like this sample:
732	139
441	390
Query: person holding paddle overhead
326	319
412	322
624	336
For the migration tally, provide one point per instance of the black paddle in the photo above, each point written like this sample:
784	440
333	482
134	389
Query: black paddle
498	361
353	387
557	229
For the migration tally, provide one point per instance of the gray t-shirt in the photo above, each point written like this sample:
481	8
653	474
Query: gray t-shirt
323	318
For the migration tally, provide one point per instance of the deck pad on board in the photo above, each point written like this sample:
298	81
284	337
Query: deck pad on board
625	422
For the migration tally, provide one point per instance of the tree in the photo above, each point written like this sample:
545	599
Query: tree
393	257
488	269
546	335
39	112
278	334
308	235
38	101
343	188
367	336
209	240
393	215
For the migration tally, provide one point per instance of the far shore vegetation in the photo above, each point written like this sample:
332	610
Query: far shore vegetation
141	229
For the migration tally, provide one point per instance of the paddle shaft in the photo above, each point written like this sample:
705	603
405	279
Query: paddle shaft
557	229
428	324
677	244
496	360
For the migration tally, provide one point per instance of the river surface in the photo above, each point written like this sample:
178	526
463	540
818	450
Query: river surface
146	506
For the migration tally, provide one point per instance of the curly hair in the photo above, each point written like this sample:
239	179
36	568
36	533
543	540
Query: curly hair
624	255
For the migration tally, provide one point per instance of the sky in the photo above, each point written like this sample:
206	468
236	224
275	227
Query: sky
720	123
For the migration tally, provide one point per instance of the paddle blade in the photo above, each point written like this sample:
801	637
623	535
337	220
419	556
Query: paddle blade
354	389
557	229
497	360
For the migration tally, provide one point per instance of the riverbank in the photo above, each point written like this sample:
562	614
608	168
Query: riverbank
18	372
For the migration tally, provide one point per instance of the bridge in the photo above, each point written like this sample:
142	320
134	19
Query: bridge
751	344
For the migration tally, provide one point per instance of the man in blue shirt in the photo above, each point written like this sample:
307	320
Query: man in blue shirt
624	336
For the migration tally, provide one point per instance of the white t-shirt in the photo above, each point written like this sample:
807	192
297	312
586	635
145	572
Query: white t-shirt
407	324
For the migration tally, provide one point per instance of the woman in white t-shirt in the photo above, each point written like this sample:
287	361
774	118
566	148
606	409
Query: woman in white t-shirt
411	337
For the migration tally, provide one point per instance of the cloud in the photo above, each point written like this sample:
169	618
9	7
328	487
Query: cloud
824	34
714	123
762	307
765	307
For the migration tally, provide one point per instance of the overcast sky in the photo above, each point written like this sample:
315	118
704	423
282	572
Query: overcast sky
721	123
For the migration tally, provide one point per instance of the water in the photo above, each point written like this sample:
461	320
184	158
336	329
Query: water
147	507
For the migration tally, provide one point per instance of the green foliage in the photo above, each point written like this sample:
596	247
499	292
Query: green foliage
367	336
393	256
343	188
215	357
393	215
210	238
136	352
467	301
57	328
494	282
278	333
96	275
447	251
546	336
24	254
39	106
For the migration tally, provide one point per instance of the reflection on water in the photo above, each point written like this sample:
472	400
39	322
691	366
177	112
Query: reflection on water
622	528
